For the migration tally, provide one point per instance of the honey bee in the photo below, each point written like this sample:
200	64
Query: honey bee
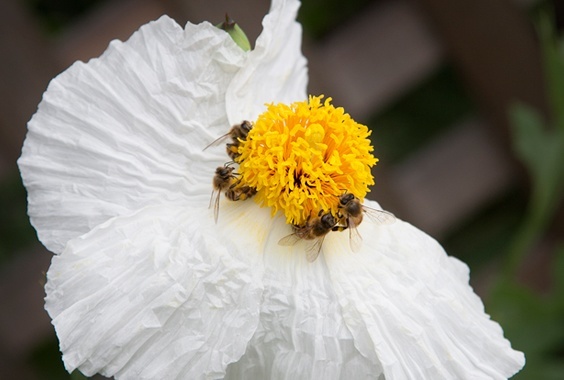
350	215
236	133
314	230
223	179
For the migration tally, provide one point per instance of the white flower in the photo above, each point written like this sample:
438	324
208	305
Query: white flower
145	285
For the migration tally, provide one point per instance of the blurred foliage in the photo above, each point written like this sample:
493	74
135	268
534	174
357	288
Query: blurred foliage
417	118
15	231
533	323
46	360
55	15
47	363
483	238
319	17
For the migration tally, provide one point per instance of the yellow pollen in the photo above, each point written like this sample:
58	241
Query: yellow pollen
302	157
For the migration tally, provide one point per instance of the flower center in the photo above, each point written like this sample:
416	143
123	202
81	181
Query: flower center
302	157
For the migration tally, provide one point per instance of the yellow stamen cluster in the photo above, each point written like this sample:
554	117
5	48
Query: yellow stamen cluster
301	157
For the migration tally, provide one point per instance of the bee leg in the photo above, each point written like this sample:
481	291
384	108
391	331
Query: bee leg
339	228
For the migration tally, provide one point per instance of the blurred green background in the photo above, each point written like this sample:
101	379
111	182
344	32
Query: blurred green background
511	237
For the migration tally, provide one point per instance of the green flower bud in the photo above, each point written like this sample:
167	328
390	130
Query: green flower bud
235	32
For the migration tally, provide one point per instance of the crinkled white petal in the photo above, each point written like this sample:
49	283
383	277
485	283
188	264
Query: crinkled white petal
276	69
301	334
409	306
161	294
127	130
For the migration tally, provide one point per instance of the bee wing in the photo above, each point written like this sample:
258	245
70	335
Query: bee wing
215	200
379	216
314	249
289	240
355	239
211	198
217	141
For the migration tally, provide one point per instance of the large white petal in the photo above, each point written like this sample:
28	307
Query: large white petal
409	306
163	293
301	334
127	130
275	70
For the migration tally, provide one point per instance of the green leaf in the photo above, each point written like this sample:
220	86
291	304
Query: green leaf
528	139
542	151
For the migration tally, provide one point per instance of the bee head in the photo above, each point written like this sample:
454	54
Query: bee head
328	220
346	199
246	126
223	171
